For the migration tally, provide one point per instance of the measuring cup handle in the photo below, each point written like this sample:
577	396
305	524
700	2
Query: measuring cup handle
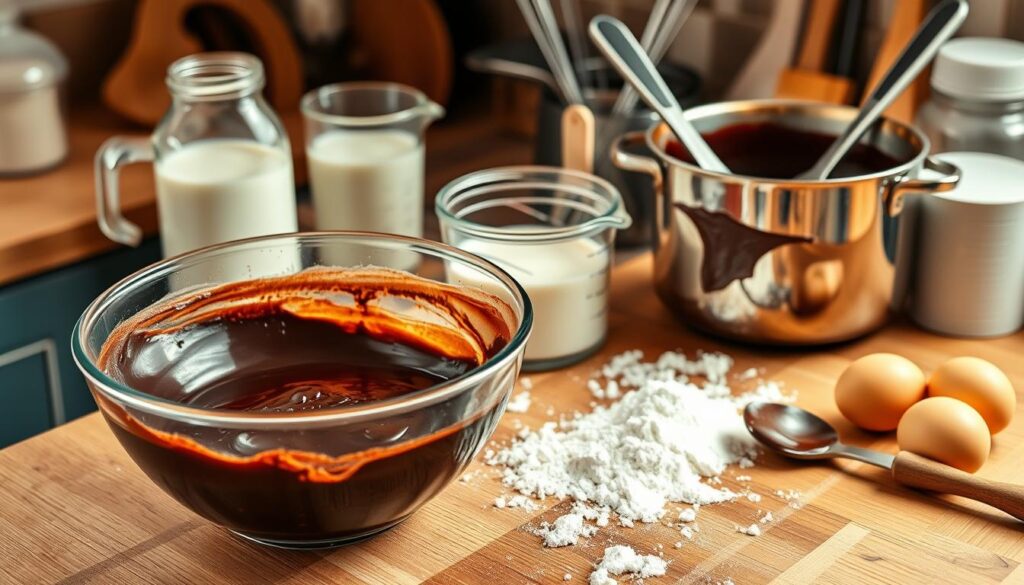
949	179
636	163
112	155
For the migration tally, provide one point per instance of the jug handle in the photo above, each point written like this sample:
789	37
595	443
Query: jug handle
636	163
950	177
112	155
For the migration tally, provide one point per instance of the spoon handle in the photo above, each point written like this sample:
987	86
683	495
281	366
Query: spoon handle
938	26
624	52
916	471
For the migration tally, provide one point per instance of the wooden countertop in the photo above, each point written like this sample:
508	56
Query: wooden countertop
75	509
49	220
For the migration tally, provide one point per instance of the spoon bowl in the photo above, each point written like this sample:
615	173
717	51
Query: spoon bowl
792	431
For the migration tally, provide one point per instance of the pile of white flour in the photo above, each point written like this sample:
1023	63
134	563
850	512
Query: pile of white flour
658	443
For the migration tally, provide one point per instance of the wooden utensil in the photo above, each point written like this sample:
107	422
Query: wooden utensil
810	79
799	434
774	52
135	87
907	15
578	138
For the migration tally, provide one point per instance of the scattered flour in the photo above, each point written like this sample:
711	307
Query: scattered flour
518	501
752	530
672	427
567	577
655	445
566	530
622	560
748	374
766	518
792	497
526	383
520	402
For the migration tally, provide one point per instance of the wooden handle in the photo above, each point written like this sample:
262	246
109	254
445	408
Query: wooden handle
578	138
916	471
821	21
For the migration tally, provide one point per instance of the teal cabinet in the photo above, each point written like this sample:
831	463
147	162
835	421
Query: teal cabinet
40	386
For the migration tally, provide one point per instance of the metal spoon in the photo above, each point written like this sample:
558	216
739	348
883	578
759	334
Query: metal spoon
623	51
799	434
938	26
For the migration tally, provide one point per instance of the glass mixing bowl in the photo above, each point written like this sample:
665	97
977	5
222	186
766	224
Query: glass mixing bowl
308	478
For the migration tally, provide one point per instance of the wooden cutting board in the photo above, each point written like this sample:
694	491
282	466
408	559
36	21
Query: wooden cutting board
75	509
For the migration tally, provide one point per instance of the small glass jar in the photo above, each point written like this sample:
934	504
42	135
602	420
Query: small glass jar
553	230
33	134
977	100
221	157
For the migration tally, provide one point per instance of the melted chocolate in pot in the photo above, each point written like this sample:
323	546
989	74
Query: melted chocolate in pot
774	151
266	347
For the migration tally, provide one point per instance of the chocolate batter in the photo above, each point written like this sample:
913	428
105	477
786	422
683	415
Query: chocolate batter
323	341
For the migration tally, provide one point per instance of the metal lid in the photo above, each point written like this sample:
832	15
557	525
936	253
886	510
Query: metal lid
27	60
981	69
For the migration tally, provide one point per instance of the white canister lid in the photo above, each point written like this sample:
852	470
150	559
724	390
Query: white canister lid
28	61
980	68
985	179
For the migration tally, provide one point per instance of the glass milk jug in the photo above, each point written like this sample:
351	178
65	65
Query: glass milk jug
221	158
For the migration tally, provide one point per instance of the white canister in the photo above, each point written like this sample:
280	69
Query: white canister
33	136
969	278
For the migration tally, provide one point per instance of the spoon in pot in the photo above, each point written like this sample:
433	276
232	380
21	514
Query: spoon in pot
938	26
624	52
799	434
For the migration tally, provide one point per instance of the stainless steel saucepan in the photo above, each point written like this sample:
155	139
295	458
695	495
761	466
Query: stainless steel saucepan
782	261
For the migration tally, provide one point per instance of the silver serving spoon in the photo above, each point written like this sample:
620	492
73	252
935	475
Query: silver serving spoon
938	26
624	52
799	434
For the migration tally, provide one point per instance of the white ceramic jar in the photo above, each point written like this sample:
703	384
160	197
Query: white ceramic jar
33	135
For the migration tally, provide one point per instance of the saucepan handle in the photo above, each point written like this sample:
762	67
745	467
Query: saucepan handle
636	163
950	176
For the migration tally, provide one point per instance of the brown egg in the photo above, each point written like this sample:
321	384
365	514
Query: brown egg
980	384
875	391
946	430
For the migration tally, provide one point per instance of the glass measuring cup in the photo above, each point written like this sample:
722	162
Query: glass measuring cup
365	152
553	230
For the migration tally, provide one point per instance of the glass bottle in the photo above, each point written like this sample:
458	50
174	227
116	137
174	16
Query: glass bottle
221	158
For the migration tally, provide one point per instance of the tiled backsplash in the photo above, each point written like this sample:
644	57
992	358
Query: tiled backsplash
720	34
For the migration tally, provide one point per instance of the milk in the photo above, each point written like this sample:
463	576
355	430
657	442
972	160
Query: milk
369	180
213	191
567	283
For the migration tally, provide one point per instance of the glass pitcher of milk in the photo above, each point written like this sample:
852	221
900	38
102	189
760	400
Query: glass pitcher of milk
222	162
365	151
